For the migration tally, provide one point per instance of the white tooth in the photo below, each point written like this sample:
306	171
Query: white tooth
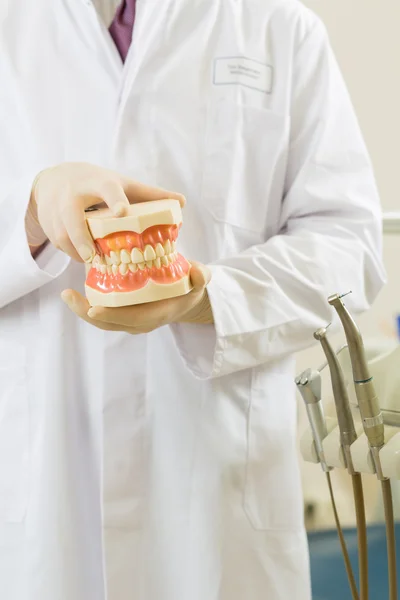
149	253
109	271
171	258
149	264
125	257
141	266
136	256
179	270
173	246
160	250
103	269
114	269
157	263
115	259
133	267
167	247
123	269
164	261
108	260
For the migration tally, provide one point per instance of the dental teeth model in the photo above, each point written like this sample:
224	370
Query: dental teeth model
136	260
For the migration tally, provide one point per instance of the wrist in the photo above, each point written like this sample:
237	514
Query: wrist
35	234
33	198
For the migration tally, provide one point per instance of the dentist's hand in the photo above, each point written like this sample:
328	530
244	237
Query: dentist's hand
195	307
61	194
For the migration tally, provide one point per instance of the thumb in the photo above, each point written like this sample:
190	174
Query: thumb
200	276
138	192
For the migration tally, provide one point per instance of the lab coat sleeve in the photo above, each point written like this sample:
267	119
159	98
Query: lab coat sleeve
20	274
268	300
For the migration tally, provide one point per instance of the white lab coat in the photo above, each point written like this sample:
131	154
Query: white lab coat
163	467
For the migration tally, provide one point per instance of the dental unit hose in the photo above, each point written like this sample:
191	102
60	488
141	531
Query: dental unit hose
309	386
348	436
372	422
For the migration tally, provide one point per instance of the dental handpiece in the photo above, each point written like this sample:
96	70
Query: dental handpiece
373	425
347	430
348	436
365	391
309	386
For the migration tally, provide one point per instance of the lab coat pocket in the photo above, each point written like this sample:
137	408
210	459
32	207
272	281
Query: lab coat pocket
273	489
14	433
245	154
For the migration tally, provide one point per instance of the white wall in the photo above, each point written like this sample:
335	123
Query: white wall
365	35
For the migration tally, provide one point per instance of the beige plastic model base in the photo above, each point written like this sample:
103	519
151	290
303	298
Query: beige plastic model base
137	260
151	293
360	453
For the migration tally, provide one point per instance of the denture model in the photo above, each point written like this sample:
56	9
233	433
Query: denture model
136	260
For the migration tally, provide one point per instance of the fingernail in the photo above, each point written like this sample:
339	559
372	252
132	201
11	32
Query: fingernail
66	297
86	253
119	209
180	197
91	313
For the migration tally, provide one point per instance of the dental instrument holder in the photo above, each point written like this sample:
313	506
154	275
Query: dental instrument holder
383	361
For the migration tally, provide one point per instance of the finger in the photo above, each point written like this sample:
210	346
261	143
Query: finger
80	306
57	235
77	304
139	192
114	196
72	216
61	240
45	219
200	276
144	317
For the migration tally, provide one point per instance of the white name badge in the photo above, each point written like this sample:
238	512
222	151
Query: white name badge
237	70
